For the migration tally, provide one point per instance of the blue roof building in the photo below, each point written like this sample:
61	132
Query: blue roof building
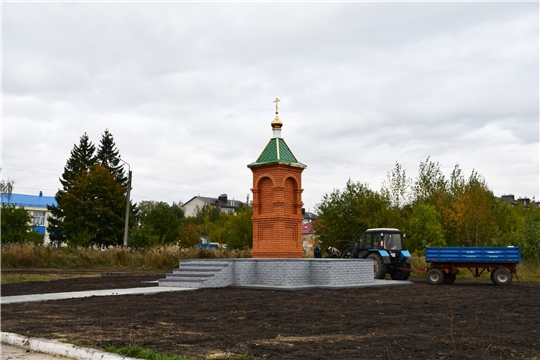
37	206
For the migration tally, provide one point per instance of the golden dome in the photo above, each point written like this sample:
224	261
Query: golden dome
276	123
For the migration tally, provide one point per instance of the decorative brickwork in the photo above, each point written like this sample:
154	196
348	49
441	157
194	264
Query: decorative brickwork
277	200
277	211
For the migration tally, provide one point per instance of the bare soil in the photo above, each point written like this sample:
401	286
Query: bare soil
471	319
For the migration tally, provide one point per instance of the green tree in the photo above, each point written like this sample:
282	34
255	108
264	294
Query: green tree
16	225
344	213
89	208
158	225
519	225
94	205
109	156
430	185
425	224
206	214
432	188
397	186
509	220
530	234
459	211
82	159
143	237
177	209
237	228
234	229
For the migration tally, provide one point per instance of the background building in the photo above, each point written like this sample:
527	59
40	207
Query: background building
37	206
197	202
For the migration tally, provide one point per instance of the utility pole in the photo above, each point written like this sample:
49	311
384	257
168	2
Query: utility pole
127	211
126	224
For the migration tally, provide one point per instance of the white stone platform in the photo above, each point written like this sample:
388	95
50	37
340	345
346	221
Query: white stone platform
278	274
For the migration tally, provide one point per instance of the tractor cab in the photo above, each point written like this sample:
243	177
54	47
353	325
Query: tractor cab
385	239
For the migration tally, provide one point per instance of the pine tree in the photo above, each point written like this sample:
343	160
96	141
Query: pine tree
82	159
92	200
109	156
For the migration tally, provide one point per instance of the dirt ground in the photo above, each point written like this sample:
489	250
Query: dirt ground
471	319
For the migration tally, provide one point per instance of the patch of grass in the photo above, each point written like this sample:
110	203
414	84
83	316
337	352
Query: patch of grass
528	270
21	278
29	255
135	351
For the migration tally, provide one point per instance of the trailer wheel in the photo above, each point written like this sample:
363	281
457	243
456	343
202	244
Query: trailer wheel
379	269
448	279
435	276
501	276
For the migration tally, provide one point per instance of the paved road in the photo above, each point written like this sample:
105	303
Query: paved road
9	352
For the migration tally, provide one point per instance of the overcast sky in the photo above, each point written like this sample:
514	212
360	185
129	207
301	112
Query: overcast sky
187	91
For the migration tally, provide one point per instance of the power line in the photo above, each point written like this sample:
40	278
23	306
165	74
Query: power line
34	160
30	171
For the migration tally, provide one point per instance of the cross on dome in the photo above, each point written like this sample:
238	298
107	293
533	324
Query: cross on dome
276	101
276	124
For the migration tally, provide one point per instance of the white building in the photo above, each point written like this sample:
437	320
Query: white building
197	202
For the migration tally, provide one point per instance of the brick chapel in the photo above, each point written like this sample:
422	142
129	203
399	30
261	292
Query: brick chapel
277	199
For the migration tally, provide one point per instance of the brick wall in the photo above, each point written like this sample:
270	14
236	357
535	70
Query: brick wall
277	211
285	272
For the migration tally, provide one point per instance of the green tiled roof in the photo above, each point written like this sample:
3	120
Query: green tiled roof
277	152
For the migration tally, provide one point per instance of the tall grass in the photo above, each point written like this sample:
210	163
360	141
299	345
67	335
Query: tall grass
29	255
528	270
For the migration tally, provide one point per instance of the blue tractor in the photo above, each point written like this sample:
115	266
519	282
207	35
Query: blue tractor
385	247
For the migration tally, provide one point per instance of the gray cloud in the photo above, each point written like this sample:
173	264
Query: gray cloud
187	89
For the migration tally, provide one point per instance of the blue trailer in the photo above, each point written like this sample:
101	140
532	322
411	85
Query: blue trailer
445	262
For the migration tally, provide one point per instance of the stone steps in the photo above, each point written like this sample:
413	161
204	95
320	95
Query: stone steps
196	274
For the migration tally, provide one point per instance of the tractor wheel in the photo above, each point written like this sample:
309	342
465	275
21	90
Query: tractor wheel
501	276
400	274
448	279
435	276
379	268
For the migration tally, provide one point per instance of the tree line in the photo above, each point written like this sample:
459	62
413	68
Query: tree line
159	223
91	206
431	210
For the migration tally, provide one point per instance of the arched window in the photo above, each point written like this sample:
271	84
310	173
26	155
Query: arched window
290	195
266	196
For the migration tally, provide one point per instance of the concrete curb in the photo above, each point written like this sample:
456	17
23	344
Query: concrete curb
4	300
55	348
